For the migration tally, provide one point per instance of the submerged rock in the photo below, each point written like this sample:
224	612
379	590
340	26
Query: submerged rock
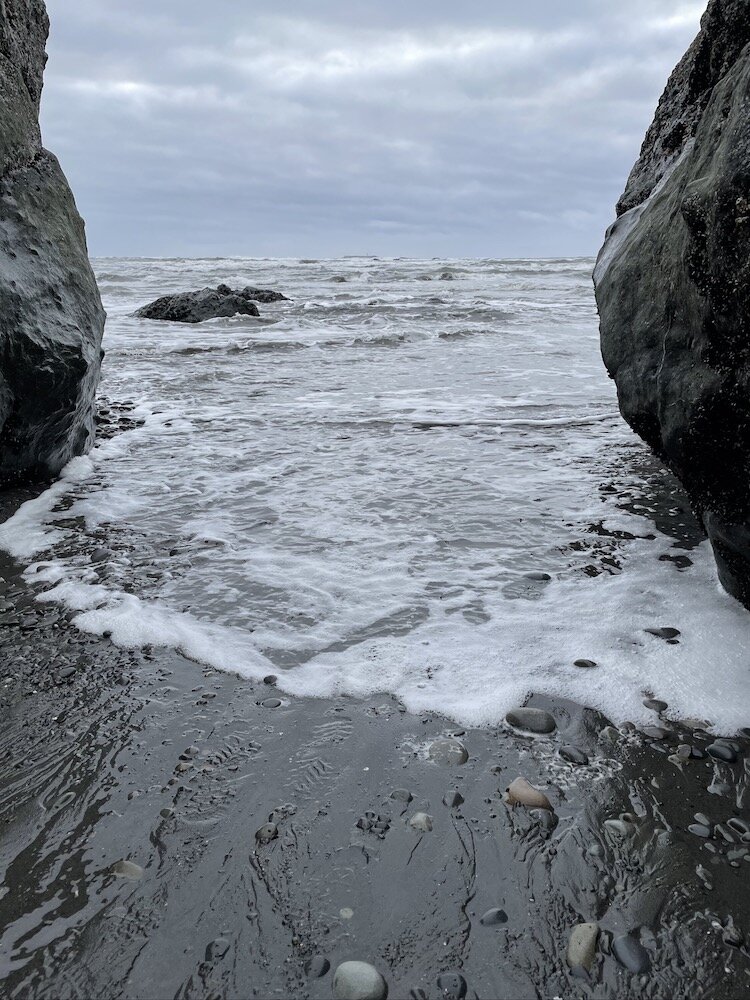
673	286
358	981
52	316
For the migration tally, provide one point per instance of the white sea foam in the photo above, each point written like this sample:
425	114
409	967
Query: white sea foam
360	514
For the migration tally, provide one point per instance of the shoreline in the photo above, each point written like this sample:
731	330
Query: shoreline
145	757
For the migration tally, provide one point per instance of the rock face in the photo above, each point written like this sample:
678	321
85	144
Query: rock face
51	316
208	303
673	286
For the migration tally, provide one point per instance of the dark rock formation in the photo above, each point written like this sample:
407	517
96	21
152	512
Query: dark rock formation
208	303
51	316
673	286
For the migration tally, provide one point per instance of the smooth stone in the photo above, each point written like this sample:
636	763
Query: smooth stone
402	795
358	981
453	799
531	720
630	953
452	986
538	577
739	826
217	949
699	830
270	679
449	752
655	704
421	822
582	946
494	918
267	833
271	703
317	967
719	751
522	793
585	664
702	819
127	869
620	827
573	755
664	633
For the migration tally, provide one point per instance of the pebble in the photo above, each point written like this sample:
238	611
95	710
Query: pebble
358	981
402	795
656	732
494	917
664	633
453	799
317	967
531	720
538	577
217	949
449	752
620	827
582	946
267	833
573	755
630	953
585	664
699	830
522	793
655	705
739	826
421	822
271	703
270	679
722	752
127	869
452	986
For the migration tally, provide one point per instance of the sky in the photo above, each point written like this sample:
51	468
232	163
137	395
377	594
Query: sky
485	128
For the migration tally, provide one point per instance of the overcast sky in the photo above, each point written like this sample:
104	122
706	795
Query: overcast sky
326	127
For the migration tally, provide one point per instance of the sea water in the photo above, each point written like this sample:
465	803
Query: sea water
409	478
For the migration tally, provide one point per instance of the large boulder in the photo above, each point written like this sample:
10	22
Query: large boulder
51	316
208	303
673	286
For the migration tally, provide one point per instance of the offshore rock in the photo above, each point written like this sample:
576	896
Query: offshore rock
673	286
208	303
52	316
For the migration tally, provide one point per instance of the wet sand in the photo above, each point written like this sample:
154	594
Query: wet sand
170	831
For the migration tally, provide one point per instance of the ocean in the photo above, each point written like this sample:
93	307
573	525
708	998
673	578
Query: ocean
409	478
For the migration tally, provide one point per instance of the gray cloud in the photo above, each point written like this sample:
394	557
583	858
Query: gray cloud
349	127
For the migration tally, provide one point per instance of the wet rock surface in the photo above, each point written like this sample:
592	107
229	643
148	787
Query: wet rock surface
53	320
122	764
222	302
673	286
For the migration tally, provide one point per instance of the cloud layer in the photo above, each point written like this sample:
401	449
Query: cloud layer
343	126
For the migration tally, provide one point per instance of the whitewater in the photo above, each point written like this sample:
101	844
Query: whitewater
410	478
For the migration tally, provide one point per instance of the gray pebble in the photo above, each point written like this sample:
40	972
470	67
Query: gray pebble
522	793
582	946
452	986
270	679
655	705
267	833
619	827
450	752
722	752
664	633
531	720
573	755
317	967
402	795
494	918
358	981
421	822
585	664
699	830
453	799
271	703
